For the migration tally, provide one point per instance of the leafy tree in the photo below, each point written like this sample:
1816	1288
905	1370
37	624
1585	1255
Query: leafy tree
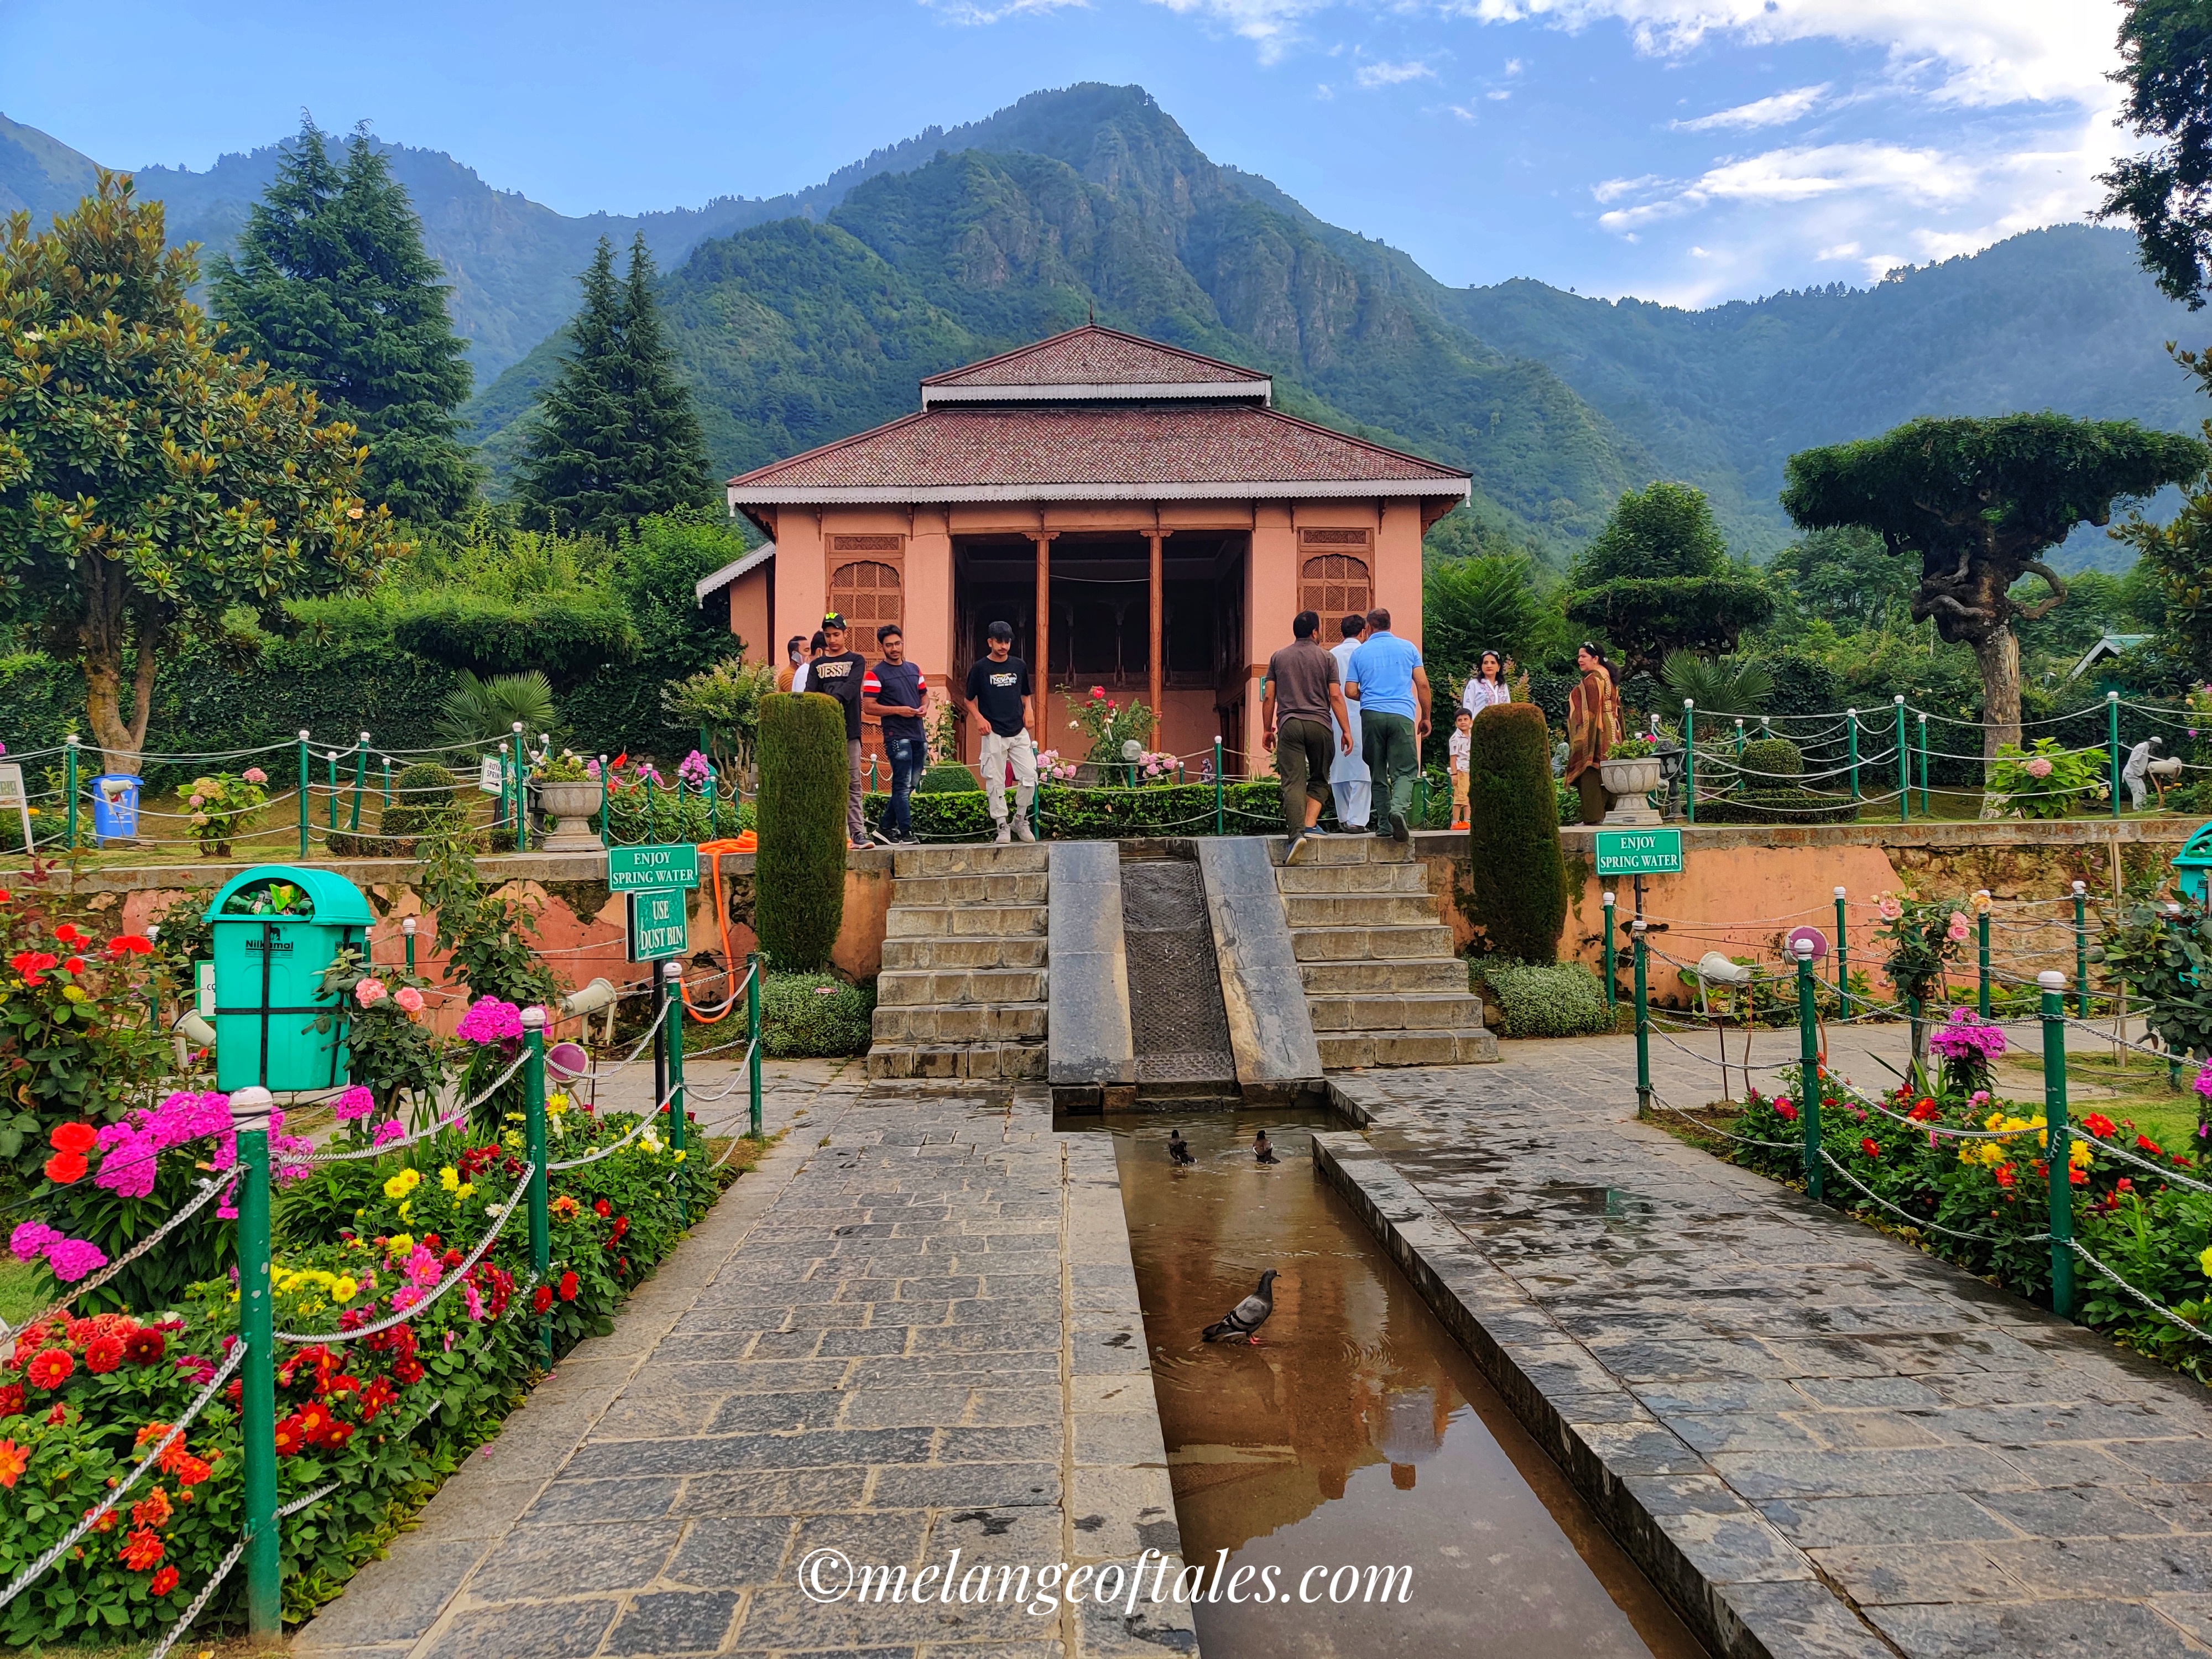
616	438
330	286
1488	603
2175	562
1717	685
149	483
1980	501
1657	579
1844	577
2165	56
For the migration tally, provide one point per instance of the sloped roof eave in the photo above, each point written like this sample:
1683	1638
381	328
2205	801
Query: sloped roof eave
1447	489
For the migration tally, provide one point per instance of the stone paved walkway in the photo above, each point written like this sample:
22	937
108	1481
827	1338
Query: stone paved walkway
915	1329
1782	1387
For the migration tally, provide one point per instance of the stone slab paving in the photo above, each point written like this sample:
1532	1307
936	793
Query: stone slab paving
1841	1445
912	1330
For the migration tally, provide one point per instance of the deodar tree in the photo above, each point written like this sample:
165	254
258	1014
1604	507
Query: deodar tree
1657	580
149	482
1979	501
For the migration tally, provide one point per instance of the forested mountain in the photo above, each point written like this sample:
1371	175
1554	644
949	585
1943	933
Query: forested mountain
802	318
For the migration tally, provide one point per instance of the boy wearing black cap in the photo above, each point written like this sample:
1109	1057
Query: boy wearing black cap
841	674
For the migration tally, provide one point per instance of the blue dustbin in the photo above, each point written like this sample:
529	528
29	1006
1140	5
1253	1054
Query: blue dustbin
115	807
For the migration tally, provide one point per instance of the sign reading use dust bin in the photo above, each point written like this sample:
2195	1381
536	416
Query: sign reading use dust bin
276	928
659	923
115	807
1640	852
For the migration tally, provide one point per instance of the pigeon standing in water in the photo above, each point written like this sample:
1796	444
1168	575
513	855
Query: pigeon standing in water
1178	1148
1245	1319
1262	1151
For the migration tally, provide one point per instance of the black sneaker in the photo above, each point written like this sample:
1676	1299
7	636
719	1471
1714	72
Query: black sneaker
1298	848
1398	830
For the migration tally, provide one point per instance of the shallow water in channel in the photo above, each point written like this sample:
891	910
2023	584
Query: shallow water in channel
1357	1433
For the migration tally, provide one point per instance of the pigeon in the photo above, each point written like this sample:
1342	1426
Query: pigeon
1245	1319
1261	1152
1178	1148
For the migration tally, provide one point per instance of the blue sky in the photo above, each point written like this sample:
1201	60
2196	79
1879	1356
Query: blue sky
1688	151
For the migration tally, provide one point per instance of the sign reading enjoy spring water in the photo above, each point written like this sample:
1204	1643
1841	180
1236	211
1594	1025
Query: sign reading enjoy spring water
631	869
1640	852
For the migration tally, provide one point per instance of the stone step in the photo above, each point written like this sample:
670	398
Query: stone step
927	1024
1469	1045
1384	1015
1330	851
1406	877
944	951
1358	909
966	921
980	985
1369	943
968	858
1011	1062
999	887
1405	977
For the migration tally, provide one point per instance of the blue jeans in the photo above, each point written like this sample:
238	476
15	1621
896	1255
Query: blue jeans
907	757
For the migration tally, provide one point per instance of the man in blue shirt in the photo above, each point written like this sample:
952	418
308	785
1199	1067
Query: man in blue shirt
1392	690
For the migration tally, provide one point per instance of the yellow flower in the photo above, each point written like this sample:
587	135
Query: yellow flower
679	1158
464	1190
75	993
450	1179
400	1244
556	1102
2078	1154
511	1141
344	1289
403	1183
514	1117
406	1208
2205	1261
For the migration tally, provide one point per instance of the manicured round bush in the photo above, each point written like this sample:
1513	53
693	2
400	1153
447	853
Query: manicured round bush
1517	875
425	801
1769	758
799	875
1557	999
947	778
1763	795
814	1017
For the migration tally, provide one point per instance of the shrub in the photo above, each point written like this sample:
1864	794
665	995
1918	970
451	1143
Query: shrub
425	801
1766	759
1253	808
814	1017
1518	877
1551	1000
1760	796
799	875
947	778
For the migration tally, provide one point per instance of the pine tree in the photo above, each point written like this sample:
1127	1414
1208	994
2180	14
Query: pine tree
330	286
616	438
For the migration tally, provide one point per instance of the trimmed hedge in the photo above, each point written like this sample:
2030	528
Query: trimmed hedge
947	778
1553	999
1517	875
814	1017
1252	808
1761	798
799	874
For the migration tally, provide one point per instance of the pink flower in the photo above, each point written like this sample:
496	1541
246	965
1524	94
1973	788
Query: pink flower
423	1267
386	1133
1959	929
29	1240
404	1297
71	1259
490	1020
476	1301
353	1105
2038	768
1891	909
255	774
369	992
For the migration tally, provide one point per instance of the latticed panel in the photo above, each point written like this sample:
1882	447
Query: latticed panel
868	595
1335	584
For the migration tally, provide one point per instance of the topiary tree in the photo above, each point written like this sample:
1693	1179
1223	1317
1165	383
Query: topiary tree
799	874
1657	579
948	778
1519	875
425	801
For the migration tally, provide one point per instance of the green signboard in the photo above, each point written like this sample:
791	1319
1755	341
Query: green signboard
631	868
1640	852
659	923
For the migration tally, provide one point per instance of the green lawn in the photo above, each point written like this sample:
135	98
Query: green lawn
25	1287
2135	1092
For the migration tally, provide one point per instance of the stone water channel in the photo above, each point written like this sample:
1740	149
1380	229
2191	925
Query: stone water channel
1357	1433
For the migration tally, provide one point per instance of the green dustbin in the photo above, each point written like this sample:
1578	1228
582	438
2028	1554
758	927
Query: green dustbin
276	928
2192	861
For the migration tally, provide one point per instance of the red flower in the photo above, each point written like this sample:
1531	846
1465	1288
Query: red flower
64	1168
1785	1111
50	1369
13	1459
190	1470
542	1298
2099	1125
144	1347
71	935
621	1227
337	1435
11	1399
314	1422
149	1434
130	945
152	1511
1925	1112
290	1439
408	1371
103	1354
33	966
568	1287
108	1522
78	1137
58	1416
2079	1178
164	1580
2144	1143
451	1258
142	1550
235	1393
2123	1185
74	965
2005	1175
600	1208
1870	1146
1098	691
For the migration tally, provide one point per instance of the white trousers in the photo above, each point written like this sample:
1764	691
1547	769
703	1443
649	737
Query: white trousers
1351	801
998	752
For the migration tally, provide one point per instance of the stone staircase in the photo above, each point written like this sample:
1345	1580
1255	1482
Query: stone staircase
1381	984
962	993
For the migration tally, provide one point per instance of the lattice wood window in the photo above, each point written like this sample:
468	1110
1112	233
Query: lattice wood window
1336	585
867	594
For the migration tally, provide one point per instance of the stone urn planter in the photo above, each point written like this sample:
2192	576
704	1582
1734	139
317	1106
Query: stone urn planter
569	808
1628	781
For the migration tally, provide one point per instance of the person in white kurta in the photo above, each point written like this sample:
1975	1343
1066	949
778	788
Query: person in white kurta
1348	779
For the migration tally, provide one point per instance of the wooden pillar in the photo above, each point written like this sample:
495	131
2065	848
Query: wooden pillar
1159	604
1042	667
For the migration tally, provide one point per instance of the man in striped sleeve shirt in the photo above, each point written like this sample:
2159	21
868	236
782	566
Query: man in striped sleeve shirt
894	693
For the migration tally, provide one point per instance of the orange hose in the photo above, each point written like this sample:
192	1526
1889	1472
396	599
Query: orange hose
713	851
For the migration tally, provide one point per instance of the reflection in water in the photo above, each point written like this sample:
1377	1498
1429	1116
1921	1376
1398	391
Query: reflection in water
1357	1431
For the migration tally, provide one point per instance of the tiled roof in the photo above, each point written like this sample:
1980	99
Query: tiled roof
1094	357
1048	451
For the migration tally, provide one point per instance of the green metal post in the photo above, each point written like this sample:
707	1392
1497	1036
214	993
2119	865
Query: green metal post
2112	739
754	964
1808	1063
1904	766
1925	812
68	763
407	926
1843	958
533	1129
1642	1020
250	1109
521	794
671	977
1612	990
1982	905
306	807
1690	759
2057	1148
1218	818
2081	949
1852	715
360	779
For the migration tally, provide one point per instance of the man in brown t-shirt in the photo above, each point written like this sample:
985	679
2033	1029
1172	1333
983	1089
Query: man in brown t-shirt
1302	693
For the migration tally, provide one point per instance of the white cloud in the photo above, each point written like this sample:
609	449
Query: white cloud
1497	97
1612	189
1371	76
1271	25
1839	251
981	11
1461	111
1778	110
1514	66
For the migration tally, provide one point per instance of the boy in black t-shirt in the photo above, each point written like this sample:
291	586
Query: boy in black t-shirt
841	674
999	695
894	693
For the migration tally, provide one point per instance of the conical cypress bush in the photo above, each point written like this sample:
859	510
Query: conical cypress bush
1519	875
799	874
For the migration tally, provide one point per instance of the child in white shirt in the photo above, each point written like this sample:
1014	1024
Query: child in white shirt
1461	746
